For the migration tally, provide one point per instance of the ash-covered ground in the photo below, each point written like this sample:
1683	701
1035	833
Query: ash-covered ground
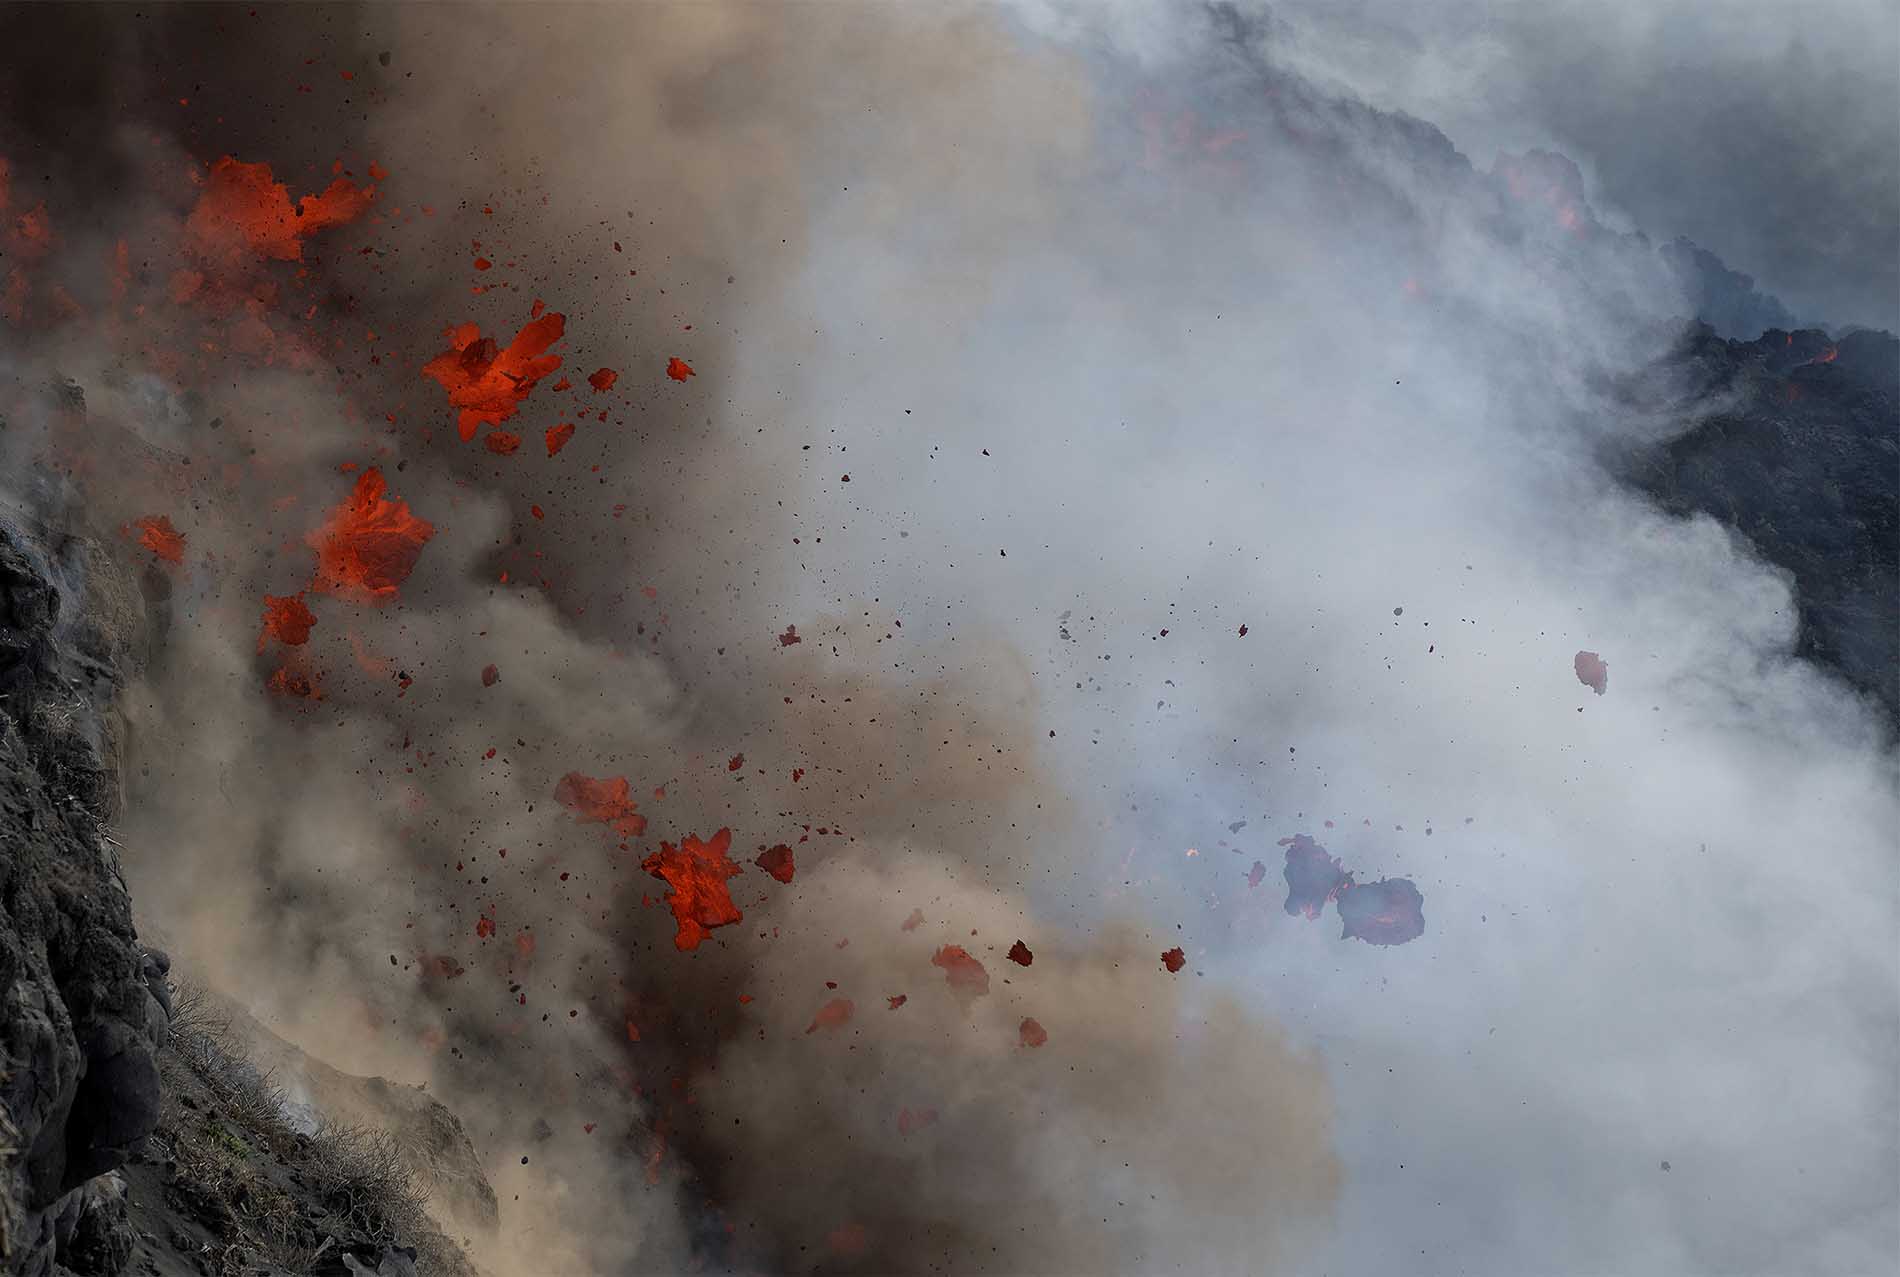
747	638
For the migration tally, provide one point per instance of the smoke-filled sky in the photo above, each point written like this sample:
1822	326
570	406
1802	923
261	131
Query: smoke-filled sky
1117	439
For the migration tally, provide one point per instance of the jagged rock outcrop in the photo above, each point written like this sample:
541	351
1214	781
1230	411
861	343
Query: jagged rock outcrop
82	1005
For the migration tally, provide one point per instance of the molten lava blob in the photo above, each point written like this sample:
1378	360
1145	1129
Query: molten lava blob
243	210
602	379
1030	1033
1593	672
1312	876
558	436
606	800
369	544
1174	959
1390	911
697	872
287	620
777	861
835	1014
965	974
678	369
156	533
1020	955
486	384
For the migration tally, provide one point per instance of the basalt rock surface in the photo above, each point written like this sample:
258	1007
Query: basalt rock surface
83	1008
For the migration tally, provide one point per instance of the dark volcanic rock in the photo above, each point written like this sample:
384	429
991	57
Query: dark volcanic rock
1801	455
79	1021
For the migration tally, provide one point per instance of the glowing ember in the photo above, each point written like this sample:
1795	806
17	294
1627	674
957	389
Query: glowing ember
1593	672
156	533
697	872
287	620
1174	959
602	379
835	1014
734	763
849	1241
1390	911
491	675
776	861
244	210
789	637
1031	1033
558	436
502	444
487	384
604	801
369	544
678	369
965	974
1312	876
907	1121
292	681
1019	954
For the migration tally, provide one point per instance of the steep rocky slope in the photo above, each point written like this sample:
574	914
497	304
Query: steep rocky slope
85	1008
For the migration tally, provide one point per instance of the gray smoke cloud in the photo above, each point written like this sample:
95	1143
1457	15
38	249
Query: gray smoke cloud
1219	450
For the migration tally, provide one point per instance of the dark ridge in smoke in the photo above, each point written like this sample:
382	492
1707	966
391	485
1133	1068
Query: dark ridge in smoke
1793	439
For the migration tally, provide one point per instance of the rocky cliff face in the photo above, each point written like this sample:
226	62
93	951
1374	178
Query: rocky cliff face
84	1006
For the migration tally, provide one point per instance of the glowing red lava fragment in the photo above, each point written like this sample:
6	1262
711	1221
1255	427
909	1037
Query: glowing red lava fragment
287	620
897	1001
491	675
482	263
1256	875
294	682
484	927
833	1015
369	544
1312	876
734	763
697	872
604	801
602	379
964	973
789	637
501	443
1174	959
633	1031
915	920
558	436
244	210
1390	911
678	369
777	861
1019	954
849	1241
908	1121
1031	1033
1593	672
156	533
487	384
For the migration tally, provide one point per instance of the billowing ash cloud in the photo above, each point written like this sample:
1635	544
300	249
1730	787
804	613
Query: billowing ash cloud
1023	469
